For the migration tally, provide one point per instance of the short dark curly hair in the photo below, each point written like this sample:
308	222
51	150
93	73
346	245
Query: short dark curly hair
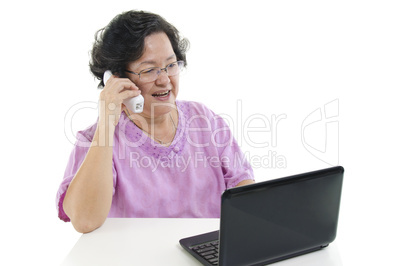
122	42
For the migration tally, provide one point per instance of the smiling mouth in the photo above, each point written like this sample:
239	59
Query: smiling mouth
161	94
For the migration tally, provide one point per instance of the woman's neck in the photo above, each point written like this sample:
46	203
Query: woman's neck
161	128
146	122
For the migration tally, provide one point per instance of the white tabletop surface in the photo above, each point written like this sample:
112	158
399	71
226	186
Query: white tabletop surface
155	241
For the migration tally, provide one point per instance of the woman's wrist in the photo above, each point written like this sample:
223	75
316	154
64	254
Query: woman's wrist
104	132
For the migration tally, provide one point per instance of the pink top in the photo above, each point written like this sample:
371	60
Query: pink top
185	179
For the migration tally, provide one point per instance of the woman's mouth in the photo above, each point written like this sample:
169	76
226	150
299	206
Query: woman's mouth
161	94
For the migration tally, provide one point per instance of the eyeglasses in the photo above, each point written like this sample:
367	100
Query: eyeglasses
152	73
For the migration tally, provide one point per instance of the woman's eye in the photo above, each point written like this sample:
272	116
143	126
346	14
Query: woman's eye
172	65
148	71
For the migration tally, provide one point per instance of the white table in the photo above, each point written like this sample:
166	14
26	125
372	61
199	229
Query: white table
155	241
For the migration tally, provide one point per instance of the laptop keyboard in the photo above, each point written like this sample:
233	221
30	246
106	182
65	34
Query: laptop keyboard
209	251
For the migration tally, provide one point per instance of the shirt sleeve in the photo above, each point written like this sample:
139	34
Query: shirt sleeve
77	156
234	163
235	166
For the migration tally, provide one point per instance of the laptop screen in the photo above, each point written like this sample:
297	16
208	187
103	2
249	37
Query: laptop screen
280	218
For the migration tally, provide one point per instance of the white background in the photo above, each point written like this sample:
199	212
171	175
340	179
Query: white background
263	58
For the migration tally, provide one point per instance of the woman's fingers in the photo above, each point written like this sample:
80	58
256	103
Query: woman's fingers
118	89
129	94
119	84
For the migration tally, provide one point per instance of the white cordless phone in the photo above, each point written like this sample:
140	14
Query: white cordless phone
135	104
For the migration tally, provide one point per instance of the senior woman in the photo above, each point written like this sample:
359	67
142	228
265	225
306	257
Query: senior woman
172	160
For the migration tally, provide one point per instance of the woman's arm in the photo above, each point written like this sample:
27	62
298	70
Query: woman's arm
245	182
89	196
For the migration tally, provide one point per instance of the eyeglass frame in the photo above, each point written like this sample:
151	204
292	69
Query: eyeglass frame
180	64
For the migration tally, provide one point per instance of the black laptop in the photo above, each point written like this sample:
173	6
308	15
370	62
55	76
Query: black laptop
270	221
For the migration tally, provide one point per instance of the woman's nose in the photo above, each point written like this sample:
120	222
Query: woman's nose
163	78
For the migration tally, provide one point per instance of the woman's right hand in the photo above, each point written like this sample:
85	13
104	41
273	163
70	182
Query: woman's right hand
111	98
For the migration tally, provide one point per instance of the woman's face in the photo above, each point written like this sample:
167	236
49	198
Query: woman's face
159	95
